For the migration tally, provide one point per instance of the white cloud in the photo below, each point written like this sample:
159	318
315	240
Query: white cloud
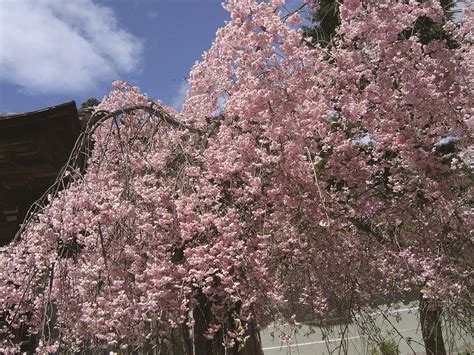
178	100
152	14
63	46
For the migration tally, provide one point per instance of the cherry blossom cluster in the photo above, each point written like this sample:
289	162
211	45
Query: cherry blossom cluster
315	178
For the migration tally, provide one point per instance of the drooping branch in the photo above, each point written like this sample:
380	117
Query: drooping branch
80	153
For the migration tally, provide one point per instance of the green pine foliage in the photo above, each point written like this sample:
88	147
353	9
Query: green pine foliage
326	20
92	102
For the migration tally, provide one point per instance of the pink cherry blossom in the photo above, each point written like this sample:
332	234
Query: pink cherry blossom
294	175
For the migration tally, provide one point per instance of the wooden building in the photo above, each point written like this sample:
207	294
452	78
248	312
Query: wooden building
33	148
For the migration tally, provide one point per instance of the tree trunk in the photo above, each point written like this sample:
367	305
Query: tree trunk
430	319
187	341
253	345
202	346
202	318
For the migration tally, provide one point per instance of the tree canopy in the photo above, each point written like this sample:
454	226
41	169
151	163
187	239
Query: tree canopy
327	177
91	102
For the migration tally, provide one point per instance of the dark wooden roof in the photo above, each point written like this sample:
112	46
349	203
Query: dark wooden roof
33	148
36	144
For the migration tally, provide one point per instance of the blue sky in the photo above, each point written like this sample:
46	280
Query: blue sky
53	51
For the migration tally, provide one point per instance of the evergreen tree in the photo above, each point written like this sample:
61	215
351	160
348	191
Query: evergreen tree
326	21
90	102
